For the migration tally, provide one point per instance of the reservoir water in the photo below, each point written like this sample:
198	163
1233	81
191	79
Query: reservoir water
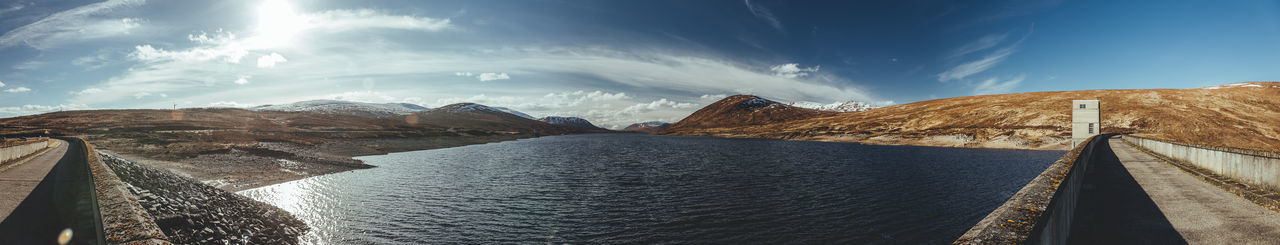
642	189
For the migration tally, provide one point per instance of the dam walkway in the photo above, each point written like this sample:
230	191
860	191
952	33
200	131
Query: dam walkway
1131	197
51	192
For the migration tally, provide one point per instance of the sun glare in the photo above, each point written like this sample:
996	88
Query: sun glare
278	23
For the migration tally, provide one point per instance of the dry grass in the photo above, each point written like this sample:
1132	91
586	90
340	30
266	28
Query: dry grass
1245	117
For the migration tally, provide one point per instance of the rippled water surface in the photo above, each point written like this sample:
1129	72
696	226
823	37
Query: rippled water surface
626	188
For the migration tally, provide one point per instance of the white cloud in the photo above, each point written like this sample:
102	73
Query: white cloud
80	23
225	48
268	61
88	91
242	80
792	70
462	74
764	14
995	86
228	104
713	96
36	109
363	19
1	84
490	76
139	95
655	105
17	90
974	67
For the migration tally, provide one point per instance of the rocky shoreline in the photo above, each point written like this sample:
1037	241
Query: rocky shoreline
191	212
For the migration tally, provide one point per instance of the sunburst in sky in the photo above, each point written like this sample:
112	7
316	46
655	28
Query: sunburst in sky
612	62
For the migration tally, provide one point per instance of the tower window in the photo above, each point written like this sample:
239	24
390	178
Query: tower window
1081	106
1090	128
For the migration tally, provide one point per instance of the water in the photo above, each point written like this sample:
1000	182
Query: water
641	189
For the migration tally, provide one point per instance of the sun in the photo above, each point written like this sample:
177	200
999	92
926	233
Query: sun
278	23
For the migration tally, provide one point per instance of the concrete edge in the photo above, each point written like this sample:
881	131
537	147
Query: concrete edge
1258	153
1260	196
124	221
53	143
1013	222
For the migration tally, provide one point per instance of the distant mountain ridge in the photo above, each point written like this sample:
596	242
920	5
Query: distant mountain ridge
647	127
576	122
345	108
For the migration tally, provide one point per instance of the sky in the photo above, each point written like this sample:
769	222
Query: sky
613	62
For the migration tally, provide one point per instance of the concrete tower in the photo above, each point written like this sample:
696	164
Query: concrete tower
1086	120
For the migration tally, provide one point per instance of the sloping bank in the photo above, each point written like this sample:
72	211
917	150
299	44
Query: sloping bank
1041	212
139	203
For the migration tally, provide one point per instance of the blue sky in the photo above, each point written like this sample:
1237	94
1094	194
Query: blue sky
613	62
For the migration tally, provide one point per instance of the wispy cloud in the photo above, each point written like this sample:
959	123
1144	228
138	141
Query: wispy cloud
764	14
987	61
974	67
983	43
998	86
17	90
80	23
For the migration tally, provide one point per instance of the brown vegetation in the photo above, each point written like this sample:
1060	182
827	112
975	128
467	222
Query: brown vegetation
1244	115
238	149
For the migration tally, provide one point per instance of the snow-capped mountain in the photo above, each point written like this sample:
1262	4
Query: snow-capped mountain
569	121
344	107
473	107
846	106
647	127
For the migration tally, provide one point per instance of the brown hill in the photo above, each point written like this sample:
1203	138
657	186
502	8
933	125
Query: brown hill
237	149
473	116
646	127
1242	115
740	112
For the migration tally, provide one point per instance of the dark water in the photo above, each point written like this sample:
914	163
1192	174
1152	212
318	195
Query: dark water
624	188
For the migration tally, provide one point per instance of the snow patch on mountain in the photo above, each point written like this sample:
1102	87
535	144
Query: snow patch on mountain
846	106
568	121
473	107
344	107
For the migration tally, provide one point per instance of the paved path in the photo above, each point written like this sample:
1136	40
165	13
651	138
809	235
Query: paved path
1137	199
62	198
17	182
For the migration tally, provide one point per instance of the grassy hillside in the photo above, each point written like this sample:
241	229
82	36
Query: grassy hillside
1243	115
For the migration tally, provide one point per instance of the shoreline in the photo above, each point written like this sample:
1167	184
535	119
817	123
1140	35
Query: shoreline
949	141
269	163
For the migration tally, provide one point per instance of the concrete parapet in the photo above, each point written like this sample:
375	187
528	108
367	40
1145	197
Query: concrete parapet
1257	168
11	153
1041	212
124	221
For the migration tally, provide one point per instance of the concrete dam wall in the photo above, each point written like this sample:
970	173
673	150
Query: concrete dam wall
15	152
1252	167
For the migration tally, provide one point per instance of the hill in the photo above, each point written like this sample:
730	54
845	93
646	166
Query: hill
237	149
740	111
1241	115
575	122
647	127
345	108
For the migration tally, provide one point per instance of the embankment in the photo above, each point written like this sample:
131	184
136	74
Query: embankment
190	212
